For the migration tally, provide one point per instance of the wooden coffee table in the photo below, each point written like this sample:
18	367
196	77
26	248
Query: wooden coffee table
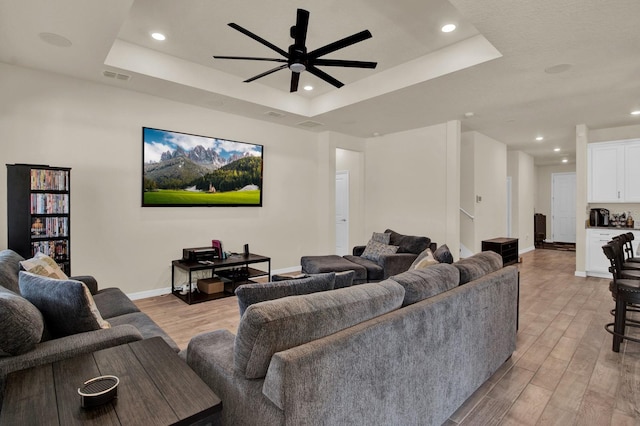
156	388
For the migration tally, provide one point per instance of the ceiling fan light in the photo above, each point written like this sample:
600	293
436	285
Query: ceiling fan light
297	67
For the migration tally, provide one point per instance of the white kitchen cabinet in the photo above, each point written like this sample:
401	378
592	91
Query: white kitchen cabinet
632	172
613	175
597	264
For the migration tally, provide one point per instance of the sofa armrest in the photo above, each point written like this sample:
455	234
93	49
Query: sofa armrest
89	281
69	346
358	250
394	264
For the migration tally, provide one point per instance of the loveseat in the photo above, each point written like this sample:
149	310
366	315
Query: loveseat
378	266
408	350
23	343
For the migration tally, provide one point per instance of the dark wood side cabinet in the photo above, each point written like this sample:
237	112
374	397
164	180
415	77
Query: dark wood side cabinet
38	212
505	247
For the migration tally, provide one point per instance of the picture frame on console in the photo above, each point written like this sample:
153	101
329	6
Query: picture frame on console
187	170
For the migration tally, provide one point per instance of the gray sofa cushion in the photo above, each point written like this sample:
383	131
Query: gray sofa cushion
145	325
21	323
248	294
112	302
66	305
478	265
277	325
343	278
420	284
9	268
408	243
375	272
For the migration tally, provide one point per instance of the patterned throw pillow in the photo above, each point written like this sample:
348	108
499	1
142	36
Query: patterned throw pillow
381	237
374	250
66	305
424	260
41	264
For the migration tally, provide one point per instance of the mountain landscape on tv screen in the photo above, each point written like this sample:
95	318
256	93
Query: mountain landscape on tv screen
203	169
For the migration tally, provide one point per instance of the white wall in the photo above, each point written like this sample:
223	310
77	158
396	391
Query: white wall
488	180
406	184
96	130
521	168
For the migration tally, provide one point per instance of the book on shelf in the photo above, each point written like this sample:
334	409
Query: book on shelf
49	180
47	227
44	203
58	250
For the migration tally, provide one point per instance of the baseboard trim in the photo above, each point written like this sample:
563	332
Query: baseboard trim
526	250
167	290
581	274
149	293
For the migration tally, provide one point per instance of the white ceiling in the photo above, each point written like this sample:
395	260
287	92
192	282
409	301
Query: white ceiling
493	65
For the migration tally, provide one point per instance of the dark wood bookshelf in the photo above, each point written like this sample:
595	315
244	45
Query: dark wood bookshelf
38	212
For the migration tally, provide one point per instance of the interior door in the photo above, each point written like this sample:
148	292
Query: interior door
342	213
563	207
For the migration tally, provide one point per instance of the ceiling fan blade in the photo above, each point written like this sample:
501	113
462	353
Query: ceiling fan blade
324	76
295	78
344	63
259	39
249	58
302	24
278	68
340	44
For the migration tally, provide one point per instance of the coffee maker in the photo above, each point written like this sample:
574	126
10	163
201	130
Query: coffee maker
599	217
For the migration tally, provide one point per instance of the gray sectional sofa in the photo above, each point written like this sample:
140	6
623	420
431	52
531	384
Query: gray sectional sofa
408	350
127	324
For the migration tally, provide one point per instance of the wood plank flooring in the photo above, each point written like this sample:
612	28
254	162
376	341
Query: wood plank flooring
562	373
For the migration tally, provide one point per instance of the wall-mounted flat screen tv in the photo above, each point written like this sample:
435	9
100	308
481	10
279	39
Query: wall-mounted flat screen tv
184	170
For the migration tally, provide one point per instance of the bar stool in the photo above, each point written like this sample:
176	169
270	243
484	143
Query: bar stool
628	248
625	292
627	269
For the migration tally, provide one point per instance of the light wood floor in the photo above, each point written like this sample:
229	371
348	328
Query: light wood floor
562	373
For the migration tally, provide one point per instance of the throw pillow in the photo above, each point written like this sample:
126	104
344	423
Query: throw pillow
423	260
374	250
381	237
41	264
66	305
443	255
21	324
408	243
248	294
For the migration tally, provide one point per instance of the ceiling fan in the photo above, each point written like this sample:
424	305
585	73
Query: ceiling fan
297	59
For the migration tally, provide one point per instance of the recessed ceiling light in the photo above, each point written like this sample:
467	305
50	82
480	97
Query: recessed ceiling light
539	138
55	39
448	28
158	36
556	149
636	112
308	87
564	160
